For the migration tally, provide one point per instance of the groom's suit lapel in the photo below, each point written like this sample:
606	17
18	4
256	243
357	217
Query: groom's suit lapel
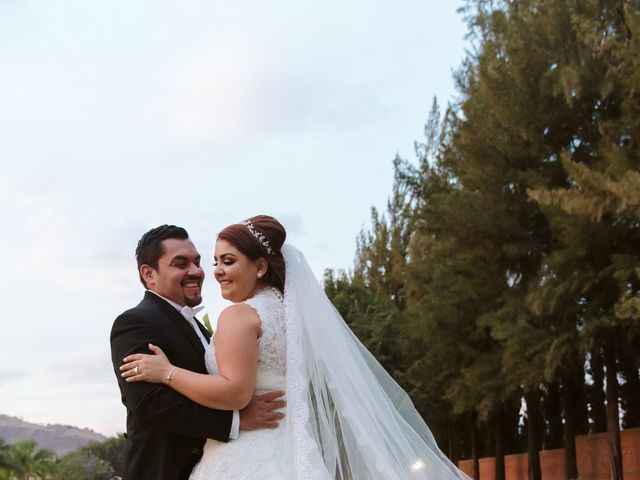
177	318
203	330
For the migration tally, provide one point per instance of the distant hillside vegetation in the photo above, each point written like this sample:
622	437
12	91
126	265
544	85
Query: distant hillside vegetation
59	438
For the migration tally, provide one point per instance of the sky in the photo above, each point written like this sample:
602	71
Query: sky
119	116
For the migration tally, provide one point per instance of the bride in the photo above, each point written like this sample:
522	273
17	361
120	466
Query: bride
345	418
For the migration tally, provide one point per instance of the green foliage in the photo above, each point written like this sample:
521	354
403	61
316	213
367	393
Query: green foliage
25	461
110	451
82	465
4	460
594	194
97	460
508	257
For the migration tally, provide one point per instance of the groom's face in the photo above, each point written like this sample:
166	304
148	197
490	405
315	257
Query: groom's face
179	276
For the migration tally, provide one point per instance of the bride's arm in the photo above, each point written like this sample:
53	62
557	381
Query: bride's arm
237	357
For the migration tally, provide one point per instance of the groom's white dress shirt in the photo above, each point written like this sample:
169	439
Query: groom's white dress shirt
189	314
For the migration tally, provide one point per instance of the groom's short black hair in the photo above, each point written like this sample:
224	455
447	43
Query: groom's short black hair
150	249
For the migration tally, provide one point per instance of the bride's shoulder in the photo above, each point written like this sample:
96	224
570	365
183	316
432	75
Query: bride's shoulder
239	312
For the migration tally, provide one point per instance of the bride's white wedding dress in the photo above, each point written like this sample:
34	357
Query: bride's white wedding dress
346	418
257	453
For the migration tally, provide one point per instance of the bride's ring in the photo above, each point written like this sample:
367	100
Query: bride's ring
136	370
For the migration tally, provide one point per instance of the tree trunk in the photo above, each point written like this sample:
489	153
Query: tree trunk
473	430
451	443
596	397
532	399
499	438
613	425
553	433
569	401
630	392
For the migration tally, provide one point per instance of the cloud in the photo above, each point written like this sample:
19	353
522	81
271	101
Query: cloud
58	246
78	368
59	390
69	394
7	376
234	90
226	90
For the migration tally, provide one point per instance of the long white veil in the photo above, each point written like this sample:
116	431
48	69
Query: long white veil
346	418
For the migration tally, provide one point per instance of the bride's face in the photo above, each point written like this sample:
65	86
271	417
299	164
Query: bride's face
236	273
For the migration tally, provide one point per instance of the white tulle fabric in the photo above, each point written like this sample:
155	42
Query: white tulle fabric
255	454
346	417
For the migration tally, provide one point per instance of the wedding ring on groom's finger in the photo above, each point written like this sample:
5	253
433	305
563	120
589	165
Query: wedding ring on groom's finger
136	370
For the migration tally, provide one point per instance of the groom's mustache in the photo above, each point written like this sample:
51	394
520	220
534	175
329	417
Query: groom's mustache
193	278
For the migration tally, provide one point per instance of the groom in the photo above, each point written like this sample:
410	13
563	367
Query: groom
165	430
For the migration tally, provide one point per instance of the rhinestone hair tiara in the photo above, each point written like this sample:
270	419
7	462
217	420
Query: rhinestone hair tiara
264	241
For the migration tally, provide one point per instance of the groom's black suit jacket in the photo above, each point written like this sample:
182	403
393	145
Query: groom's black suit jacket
165	430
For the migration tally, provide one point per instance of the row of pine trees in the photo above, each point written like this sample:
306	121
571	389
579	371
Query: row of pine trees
501	286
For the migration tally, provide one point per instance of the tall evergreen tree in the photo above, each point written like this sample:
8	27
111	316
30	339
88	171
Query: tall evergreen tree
450	280
600	200
507	261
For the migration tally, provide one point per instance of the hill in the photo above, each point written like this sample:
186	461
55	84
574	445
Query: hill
59	438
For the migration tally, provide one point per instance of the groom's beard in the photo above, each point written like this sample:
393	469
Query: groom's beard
194	299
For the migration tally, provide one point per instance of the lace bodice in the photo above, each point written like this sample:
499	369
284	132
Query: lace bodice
256	453
272	343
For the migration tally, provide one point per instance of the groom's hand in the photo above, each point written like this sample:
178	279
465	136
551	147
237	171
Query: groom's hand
260	413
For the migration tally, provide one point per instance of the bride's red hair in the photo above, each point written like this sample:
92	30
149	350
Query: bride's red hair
241	238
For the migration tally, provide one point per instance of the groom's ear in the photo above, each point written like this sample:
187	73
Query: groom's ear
147	274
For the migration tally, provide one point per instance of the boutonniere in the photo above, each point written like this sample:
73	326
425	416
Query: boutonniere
207	324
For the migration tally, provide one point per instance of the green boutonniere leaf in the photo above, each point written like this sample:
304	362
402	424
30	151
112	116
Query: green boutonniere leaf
207	323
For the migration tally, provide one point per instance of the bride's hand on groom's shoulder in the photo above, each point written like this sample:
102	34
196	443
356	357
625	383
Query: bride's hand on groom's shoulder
261	411
141	367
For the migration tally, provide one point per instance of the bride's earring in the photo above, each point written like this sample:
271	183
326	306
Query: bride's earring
259	275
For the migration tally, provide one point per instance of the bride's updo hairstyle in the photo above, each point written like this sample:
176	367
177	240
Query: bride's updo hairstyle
261	236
